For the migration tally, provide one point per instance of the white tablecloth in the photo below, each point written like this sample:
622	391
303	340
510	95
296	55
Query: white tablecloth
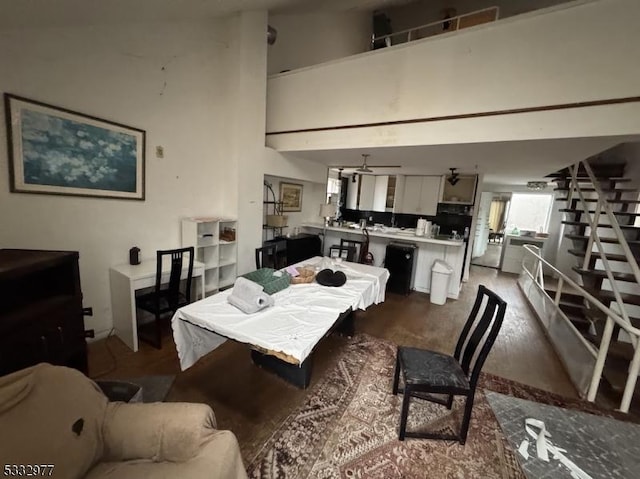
301	316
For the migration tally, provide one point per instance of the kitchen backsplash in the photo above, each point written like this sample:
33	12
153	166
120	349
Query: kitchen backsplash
450	218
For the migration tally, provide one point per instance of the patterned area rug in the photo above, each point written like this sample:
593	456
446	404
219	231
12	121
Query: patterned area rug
347	427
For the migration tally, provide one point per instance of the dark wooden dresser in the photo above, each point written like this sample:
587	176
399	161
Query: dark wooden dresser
41	316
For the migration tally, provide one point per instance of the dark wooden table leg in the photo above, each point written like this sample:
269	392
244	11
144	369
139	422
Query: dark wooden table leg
298	375
345	325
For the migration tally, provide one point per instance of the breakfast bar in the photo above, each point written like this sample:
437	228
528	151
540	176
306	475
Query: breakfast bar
441	247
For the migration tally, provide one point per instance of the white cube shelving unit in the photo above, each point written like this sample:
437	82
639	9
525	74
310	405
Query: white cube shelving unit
219	256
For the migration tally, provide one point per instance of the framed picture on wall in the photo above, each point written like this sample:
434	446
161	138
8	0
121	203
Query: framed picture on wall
291	196
53	150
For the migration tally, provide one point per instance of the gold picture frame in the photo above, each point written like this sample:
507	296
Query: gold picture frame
291	196
57	151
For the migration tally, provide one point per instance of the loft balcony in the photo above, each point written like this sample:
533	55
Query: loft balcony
558	73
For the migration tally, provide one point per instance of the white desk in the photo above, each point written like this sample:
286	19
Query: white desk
125	280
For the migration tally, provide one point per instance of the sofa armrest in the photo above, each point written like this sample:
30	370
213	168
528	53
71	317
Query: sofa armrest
156	431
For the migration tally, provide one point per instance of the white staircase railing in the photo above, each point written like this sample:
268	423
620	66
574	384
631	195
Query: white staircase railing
619	317
612	317
411	33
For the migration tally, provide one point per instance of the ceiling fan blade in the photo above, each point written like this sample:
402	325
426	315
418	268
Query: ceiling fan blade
368	166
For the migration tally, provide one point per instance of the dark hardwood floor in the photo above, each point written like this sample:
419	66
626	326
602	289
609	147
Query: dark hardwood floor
252	402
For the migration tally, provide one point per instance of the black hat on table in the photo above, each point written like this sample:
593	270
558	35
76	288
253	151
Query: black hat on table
327	277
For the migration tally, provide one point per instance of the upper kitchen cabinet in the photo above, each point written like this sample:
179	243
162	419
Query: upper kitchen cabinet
353	185
421	195
370	193
367	192
463	192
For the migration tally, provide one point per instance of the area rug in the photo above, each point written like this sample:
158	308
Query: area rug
348	428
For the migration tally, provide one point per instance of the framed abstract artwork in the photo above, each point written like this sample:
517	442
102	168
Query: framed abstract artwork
53	150
291	196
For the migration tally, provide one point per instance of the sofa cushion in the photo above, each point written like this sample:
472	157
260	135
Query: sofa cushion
51	415
218	457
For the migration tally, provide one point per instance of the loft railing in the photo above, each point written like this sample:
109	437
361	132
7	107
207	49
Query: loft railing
430	29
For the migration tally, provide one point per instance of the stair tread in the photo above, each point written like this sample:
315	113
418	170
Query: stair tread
574	300
586	179
603	239
617	213
597	168
597	316
594	200
619	349
626	297
600	273
576	318
600	225
604	190
597	255
567	291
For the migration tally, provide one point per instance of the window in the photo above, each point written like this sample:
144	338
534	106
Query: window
529	211
333	188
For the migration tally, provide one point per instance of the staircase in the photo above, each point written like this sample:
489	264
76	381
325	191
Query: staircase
600	224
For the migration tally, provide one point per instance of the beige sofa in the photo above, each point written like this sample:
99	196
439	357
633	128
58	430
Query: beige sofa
52	415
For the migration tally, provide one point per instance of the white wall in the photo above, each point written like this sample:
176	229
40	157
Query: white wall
287	166
248	73
313	195
167	79
250	159
537	59
309	39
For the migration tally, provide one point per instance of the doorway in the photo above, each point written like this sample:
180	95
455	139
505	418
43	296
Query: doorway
492	214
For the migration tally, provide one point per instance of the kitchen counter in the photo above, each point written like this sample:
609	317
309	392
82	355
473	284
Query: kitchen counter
429	249
390	233
513	252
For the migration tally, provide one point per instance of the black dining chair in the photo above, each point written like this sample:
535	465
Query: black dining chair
166	297
427	372
266	256
281	251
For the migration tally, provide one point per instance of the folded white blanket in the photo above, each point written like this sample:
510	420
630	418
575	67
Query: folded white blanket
248	296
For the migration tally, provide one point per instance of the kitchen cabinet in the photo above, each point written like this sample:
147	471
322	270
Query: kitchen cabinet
391	194
463	192
380	193
370	193
352	192
367	190
421	195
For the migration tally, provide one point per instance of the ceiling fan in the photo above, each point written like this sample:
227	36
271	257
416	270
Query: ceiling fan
364	168
454	177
